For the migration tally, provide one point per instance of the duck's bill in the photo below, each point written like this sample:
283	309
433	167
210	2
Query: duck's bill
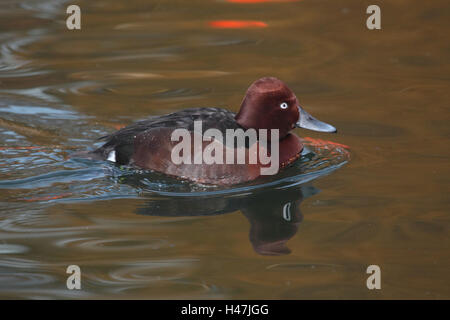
307	121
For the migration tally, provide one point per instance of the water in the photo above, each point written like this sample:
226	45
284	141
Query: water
310	232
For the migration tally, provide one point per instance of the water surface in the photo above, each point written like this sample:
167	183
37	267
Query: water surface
309	233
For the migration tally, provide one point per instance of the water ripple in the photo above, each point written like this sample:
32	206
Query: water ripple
117	244
12	249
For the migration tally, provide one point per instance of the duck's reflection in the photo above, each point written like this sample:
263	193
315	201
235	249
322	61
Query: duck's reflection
274	215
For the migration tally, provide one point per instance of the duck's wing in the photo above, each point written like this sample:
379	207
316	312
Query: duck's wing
122	141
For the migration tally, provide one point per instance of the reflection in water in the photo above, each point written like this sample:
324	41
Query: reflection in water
274	220
274	215
236	24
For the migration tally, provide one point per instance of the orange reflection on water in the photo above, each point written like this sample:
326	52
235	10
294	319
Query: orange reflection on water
237	24
259	1
324	143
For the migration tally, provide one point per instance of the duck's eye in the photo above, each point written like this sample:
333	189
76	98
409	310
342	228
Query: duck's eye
284	105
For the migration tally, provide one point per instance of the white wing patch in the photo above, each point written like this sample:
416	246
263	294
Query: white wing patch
112	156
287	212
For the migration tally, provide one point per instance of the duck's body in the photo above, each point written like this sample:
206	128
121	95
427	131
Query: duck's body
122	141
268	104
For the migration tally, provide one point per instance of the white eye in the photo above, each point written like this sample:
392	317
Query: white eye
284	105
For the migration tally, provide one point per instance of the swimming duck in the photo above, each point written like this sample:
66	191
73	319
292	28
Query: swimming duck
268	104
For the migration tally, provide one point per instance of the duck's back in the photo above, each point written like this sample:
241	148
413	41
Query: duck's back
121	143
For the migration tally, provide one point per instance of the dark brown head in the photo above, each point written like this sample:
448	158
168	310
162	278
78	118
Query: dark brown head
270	104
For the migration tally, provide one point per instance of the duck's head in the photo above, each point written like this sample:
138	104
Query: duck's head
270	104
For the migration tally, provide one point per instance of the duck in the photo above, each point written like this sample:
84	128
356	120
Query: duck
268	104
